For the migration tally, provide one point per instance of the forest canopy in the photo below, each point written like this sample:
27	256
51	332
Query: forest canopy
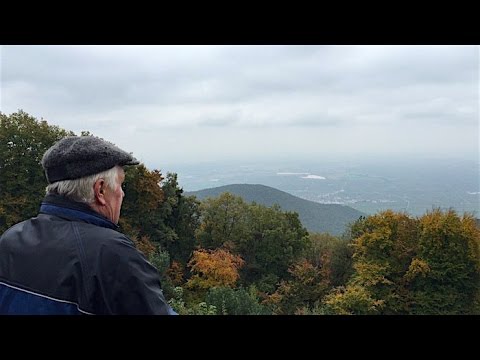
223	255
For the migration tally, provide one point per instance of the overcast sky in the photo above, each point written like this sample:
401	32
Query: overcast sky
185	104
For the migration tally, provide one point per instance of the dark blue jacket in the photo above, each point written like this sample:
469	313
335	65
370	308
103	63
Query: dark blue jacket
71	260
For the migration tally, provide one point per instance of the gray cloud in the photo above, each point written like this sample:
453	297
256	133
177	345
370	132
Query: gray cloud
217	122
314	96
318	120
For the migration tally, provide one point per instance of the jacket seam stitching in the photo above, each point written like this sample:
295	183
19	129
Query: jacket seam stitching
82	257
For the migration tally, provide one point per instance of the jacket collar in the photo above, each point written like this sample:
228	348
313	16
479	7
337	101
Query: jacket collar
65	208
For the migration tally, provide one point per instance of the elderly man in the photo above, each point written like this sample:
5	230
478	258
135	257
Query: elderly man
71	259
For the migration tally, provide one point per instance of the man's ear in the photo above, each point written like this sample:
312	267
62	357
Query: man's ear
99	191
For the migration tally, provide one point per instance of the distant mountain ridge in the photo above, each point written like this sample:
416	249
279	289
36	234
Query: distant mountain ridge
316	217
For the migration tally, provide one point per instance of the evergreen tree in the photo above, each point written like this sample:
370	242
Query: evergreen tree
180	220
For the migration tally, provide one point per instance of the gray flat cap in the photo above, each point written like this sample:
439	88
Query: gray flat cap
75	157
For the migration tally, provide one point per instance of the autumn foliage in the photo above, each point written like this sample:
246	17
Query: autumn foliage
212	268
230	252
176	273
405	265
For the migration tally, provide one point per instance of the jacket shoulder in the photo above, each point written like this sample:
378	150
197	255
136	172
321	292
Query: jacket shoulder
129	282
17	228
102	236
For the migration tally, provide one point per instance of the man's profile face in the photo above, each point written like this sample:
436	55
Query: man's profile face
114	197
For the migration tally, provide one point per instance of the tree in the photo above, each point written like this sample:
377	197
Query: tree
176	273
156	207
161	260
445	277
354	299
383	252
178	304
309	284
143	198
181	218
404	265
275	240
384	246
333	254
268	239
213	268
224	220
327	264
23	141
228	301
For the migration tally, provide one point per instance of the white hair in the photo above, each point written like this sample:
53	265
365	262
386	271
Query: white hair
82	189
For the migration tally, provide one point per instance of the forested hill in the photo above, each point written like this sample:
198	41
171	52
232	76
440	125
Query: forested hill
331	218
